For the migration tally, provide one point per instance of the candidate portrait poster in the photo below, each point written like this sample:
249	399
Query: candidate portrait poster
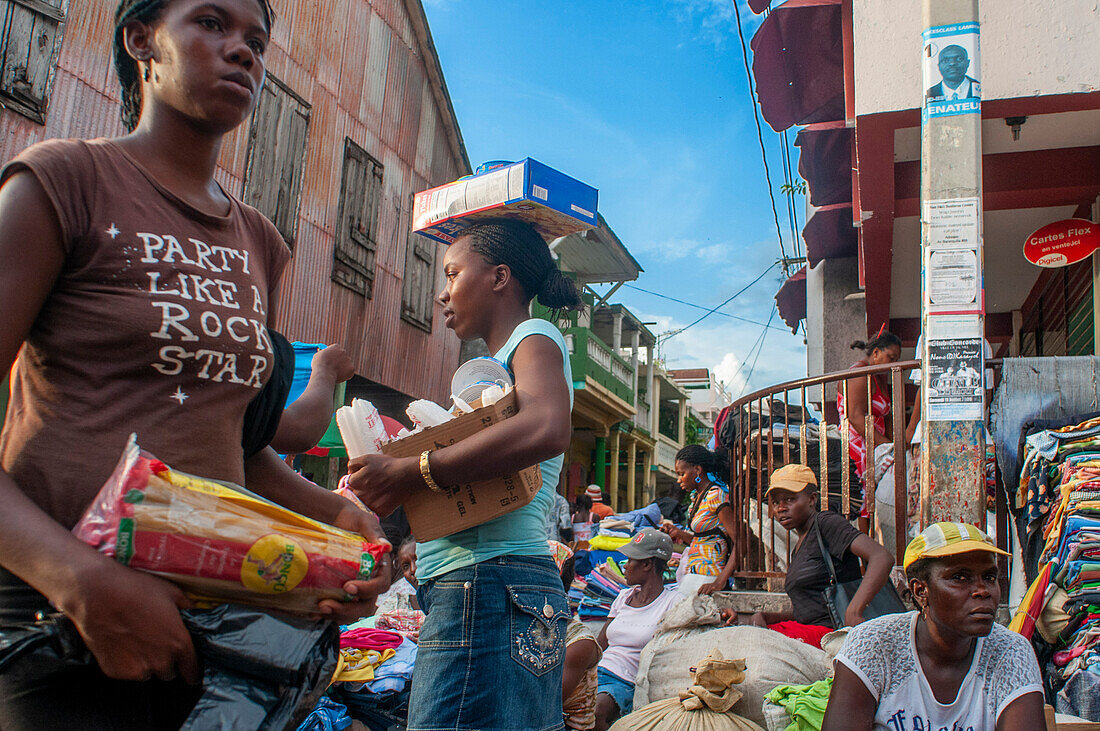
951	70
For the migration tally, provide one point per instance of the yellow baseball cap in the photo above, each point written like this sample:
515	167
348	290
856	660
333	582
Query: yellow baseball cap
948	539
792	477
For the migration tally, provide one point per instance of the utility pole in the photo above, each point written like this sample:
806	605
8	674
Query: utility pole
953	301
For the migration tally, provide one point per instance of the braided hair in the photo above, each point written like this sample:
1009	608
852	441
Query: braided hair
145	11
518	245
713	463
882	341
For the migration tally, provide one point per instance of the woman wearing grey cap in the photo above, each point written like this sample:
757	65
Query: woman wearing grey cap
633	620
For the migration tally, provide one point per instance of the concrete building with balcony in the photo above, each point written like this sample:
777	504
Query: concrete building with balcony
708	396
628	415
846	75
819	66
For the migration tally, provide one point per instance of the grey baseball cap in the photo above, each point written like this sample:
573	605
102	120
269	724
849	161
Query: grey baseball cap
648	543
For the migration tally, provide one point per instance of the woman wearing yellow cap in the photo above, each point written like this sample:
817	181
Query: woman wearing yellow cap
950	665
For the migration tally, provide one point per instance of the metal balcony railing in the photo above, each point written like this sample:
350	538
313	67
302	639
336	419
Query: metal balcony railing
765	442
590	356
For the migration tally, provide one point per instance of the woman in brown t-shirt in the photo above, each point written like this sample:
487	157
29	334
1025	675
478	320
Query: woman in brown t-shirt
136	294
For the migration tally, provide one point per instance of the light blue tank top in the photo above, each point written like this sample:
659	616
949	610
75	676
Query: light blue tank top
521	532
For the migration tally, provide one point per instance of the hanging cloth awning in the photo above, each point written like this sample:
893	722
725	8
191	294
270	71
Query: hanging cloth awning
829	234
825	163
798	63
791	299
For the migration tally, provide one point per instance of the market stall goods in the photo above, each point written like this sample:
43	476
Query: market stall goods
219	542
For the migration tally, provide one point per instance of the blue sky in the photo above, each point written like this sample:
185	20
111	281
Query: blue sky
647	101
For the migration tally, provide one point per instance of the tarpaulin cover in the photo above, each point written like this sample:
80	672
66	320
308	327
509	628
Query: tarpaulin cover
829	234
791	299
261	671
825	163
798	64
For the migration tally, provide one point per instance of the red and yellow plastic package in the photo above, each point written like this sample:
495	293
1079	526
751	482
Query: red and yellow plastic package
219	542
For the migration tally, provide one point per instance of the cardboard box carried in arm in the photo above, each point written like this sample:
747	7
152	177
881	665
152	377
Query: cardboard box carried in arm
436	515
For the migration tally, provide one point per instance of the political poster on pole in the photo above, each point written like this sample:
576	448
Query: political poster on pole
951	70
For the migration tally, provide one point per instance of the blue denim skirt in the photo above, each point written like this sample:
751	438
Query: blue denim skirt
491	648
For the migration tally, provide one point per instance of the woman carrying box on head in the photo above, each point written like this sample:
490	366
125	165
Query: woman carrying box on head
492	644
97	240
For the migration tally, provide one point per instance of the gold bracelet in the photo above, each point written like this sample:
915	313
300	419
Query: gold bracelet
426	472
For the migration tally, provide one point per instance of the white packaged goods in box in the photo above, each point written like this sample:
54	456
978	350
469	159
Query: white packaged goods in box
435	515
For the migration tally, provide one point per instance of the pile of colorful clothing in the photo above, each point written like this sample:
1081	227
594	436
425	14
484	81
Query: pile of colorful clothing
1059	510
371	683
593	593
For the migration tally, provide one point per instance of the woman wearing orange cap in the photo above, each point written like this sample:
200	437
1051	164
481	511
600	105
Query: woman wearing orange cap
949	665
793	498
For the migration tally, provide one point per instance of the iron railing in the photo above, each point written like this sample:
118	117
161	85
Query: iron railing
765	443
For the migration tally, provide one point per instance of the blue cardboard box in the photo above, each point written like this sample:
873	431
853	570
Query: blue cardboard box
552	202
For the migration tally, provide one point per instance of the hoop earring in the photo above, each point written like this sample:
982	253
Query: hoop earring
698	480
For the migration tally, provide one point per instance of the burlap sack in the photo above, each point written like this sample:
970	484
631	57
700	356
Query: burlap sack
771	660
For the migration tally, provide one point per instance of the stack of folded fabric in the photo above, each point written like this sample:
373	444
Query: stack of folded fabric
1059	500
601	588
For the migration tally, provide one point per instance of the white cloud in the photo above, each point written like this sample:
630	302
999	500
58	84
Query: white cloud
714	20
726	347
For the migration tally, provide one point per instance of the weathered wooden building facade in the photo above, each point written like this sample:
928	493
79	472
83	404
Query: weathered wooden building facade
355	117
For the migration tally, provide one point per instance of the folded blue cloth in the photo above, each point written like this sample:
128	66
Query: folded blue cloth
327	715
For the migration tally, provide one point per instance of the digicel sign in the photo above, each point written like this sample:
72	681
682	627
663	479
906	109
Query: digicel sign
1062	243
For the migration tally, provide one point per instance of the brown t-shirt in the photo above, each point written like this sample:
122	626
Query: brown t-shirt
156	325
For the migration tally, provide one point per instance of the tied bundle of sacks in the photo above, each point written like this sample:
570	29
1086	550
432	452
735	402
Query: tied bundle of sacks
219	542
704	706
1060	494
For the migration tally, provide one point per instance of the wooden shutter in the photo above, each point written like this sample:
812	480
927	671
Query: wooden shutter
29	45
276	154
357	228
418	288
1059	321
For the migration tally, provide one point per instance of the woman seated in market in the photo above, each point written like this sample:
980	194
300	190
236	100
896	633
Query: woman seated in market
950	665
633	620
701	474
793	497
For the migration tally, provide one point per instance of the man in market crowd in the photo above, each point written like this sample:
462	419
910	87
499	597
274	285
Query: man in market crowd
954	62
794	499
599	505
559	523
950	665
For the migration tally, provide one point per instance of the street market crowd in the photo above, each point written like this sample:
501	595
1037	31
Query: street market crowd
558	614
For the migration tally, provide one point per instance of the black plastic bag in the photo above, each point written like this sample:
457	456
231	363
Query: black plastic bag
261	671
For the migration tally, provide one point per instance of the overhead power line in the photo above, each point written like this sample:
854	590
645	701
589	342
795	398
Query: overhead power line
698	307
760	349
668	336
760	134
